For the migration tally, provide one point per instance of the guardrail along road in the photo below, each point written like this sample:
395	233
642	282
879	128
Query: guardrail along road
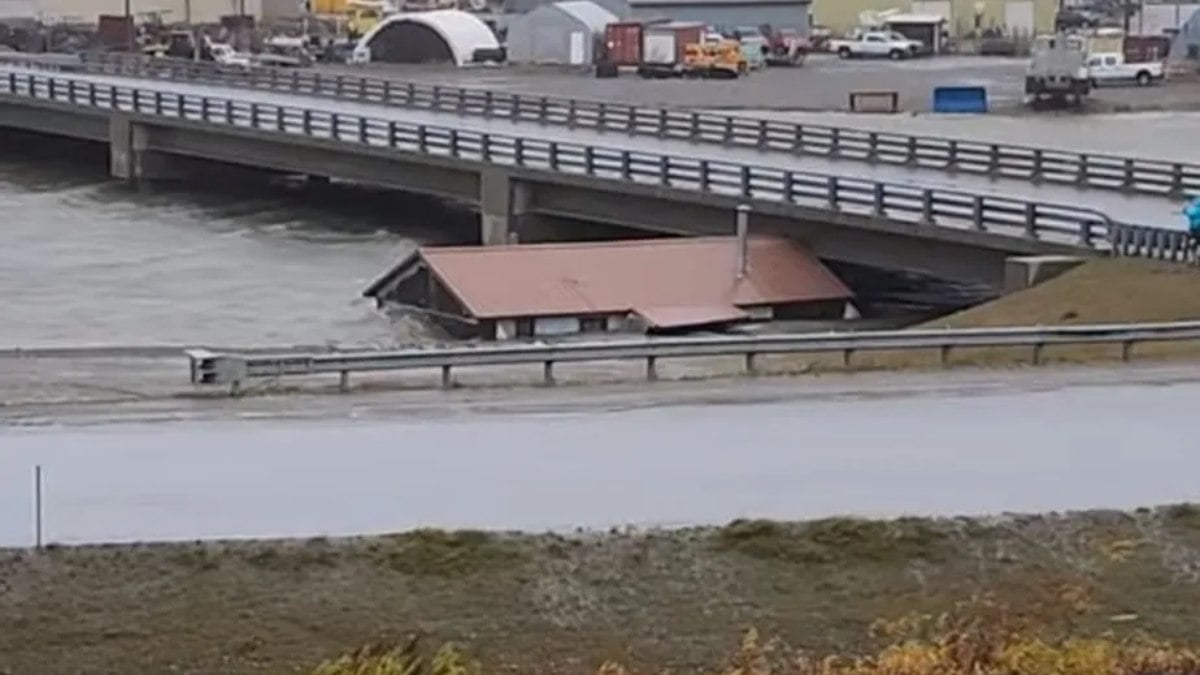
951	232
998	160
1125	189
234	370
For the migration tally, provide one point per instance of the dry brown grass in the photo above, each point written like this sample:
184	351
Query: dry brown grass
1100	291
542	603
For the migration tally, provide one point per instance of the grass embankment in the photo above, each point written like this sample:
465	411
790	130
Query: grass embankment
1099	291
544	603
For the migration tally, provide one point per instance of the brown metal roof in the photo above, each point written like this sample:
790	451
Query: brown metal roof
678	317
523	280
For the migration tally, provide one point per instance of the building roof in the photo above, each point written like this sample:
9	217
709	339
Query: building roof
463	32
682	281
588	13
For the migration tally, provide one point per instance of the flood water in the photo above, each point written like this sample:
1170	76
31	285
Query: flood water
85	260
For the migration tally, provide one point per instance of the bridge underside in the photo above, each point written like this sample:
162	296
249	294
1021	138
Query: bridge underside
511	199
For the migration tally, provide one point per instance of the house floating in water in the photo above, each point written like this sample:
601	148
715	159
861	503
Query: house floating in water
649	285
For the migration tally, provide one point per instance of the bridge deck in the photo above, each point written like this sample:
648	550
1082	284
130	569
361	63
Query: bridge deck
1143	209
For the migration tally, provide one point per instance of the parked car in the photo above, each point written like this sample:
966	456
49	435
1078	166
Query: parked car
1111	69
869	44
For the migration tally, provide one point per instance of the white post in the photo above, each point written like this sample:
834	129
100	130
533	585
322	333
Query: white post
37	506
743	227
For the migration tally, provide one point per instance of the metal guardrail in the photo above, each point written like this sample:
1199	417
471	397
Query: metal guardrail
1093	170
923	207
234	370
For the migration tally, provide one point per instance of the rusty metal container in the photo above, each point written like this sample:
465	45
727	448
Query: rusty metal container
1145	48
623	40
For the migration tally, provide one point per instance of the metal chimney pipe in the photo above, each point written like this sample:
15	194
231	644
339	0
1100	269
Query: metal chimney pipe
743	227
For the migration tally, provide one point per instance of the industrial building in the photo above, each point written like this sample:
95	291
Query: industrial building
440	36
964	18
648	285
780	14
562	33
199	11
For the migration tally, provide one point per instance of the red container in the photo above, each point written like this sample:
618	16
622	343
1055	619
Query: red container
624	42
1146	48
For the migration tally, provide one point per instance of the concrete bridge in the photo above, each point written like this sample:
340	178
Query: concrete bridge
517	172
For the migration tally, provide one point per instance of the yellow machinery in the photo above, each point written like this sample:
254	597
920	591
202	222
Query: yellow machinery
722	60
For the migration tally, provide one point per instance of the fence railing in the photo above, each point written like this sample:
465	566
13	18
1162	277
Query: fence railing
922	207
1093	170
234	370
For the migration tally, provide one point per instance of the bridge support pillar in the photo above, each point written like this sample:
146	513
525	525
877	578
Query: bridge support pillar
504	208
129	156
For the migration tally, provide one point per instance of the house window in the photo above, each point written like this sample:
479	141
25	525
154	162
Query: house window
525	327
591	324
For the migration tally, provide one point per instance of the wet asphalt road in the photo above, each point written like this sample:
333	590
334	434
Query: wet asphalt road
885	445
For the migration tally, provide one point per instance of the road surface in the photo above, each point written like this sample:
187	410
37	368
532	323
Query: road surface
879	445
1132	208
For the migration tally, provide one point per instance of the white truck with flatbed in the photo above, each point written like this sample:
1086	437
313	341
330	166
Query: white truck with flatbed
1111	69
876	44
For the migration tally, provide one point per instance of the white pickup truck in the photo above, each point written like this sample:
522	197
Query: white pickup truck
876	44
1111	69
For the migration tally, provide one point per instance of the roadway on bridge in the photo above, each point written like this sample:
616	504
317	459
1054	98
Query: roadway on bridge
1144	209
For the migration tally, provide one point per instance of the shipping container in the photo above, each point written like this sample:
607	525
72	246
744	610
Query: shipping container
624	43
1146	48
670	41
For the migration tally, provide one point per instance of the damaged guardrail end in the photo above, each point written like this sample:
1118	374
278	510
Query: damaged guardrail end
211	368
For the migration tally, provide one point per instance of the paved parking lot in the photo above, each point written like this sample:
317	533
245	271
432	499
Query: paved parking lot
824	83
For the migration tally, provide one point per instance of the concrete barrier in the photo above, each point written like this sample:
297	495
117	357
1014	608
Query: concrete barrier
874	101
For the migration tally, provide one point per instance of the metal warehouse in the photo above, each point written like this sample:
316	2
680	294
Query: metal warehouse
788	14
963	17
562	33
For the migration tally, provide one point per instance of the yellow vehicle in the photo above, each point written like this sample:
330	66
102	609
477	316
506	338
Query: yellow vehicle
722	60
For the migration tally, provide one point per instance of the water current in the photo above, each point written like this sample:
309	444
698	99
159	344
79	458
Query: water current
85	260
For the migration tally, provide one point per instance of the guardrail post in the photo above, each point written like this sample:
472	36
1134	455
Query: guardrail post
1031	214
410	93
911	156
1176	180
694	126
705	176
1129	177
880	199
831	192
589	160
519	150
993	159
1037	353
729	131
543	109
1039	161
631	120
423	139
460	102
306	122
751	365
1085	232
548	373
952	155
872	146
744	185
664	124
944	354
1082	172
454	142
762	133
927	207
664	169
651	368
1126	350
447	378
602	116
625	168
847	357
977	213
344	381
552	155
362	134
789	187
798	140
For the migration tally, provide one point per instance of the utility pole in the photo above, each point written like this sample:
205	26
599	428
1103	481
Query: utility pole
132	44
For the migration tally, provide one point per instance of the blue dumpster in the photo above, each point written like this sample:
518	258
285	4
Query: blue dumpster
960	100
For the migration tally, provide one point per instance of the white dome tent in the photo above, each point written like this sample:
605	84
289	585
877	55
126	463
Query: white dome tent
444	35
